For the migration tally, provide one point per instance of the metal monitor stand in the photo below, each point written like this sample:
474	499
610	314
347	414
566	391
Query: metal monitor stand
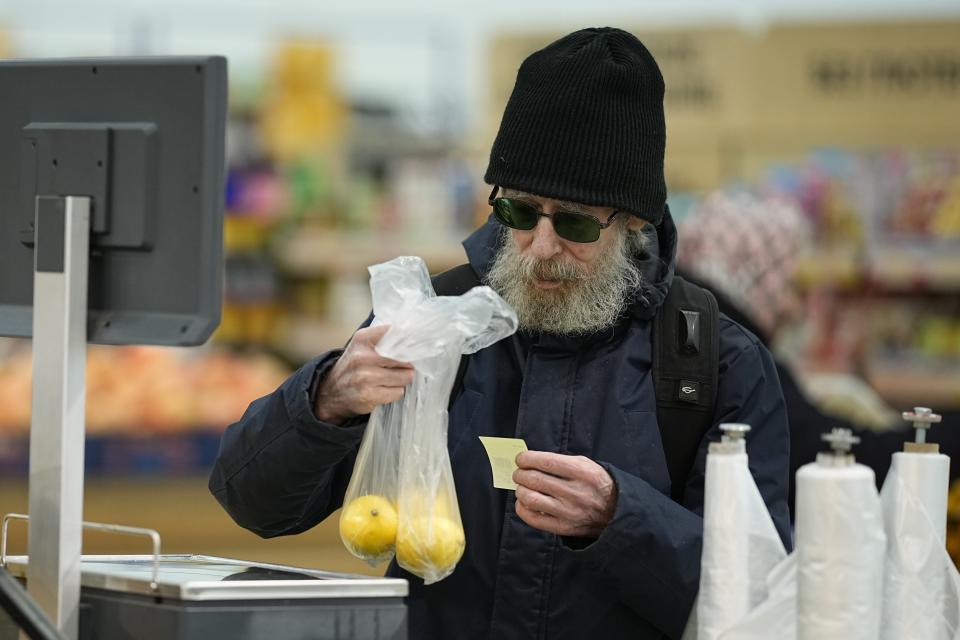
61	258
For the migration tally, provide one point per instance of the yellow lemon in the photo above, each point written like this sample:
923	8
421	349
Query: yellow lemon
419	506
368	526
430	545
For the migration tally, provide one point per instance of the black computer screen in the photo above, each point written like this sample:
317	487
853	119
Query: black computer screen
144	138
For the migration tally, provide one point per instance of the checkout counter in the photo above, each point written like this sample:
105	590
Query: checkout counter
186	597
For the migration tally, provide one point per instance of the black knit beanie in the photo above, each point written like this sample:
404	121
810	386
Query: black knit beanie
585	123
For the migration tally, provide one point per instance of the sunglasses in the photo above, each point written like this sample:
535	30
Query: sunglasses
576	227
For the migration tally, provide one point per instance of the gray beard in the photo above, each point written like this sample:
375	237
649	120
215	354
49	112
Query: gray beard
589	299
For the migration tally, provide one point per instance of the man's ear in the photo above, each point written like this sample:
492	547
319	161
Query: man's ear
635	223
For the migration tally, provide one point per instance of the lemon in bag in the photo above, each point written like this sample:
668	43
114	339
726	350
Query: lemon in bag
430	545
368	526
425	506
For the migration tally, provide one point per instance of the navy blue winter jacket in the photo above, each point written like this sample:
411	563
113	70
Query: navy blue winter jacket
281	471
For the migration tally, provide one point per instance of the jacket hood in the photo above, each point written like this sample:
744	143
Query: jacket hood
657	264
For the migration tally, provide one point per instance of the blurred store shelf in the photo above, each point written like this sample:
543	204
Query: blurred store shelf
307	337
908	382
849	397
915	268
837	266
348	254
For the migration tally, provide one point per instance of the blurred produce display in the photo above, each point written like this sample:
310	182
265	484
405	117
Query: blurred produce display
144	391
148	409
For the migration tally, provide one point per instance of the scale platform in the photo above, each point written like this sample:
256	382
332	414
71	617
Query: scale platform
190	597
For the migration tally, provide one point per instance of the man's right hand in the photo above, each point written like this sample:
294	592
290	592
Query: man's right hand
361	379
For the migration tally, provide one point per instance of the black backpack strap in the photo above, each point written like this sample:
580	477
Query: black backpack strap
455	282
686	371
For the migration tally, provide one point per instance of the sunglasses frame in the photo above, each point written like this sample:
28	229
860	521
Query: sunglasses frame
492	199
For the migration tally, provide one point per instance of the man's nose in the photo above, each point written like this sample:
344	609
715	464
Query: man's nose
546	243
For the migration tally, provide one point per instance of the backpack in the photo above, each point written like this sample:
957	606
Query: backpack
686	362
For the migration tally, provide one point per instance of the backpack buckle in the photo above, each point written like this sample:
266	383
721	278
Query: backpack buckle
689	332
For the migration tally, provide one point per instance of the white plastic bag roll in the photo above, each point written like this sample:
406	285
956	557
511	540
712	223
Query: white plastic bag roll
776	617
740	544
840	553
921	593
927	477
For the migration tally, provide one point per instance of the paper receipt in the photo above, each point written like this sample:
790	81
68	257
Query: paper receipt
503	453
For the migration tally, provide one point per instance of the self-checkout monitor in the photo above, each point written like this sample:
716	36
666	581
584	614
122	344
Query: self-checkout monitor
143	139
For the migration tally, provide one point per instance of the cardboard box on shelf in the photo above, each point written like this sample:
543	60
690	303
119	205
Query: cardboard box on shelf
748	97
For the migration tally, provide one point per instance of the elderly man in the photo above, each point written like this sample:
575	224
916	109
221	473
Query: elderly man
598	540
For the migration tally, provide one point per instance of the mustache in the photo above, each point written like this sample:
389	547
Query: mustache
558	270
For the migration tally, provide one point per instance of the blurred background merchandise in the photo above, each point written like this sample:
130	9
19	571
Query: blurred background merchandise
359	132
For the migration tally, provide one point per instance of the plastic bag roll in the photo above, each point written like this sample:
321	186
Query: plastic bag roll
927	476
840	553
740	544
776	617
921	593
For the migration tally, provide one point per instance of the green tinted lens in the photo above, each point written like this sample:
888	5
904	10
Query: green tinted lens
515	214
576	227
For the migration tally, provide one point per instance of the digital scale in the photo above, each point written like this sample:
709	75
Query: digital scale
189	597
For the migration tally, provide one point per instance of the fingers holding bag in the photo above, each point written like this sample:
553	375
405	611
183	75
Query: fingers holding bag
362	379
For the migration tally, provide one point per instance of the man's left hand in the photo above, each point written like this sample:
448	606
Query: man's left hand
566	495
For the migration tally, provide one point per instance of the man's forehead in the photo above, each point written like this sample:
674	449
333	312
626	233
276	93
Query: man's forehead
566	204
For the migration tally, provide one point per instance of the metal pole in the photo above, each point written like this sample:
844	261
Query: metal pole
59	391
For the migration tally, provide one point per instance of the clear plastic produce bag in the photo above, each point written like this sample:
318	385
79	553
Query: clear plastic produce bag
368	521
402	496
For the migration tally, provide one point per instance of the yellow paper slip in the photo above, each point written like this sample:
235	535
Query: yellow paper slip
503	454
